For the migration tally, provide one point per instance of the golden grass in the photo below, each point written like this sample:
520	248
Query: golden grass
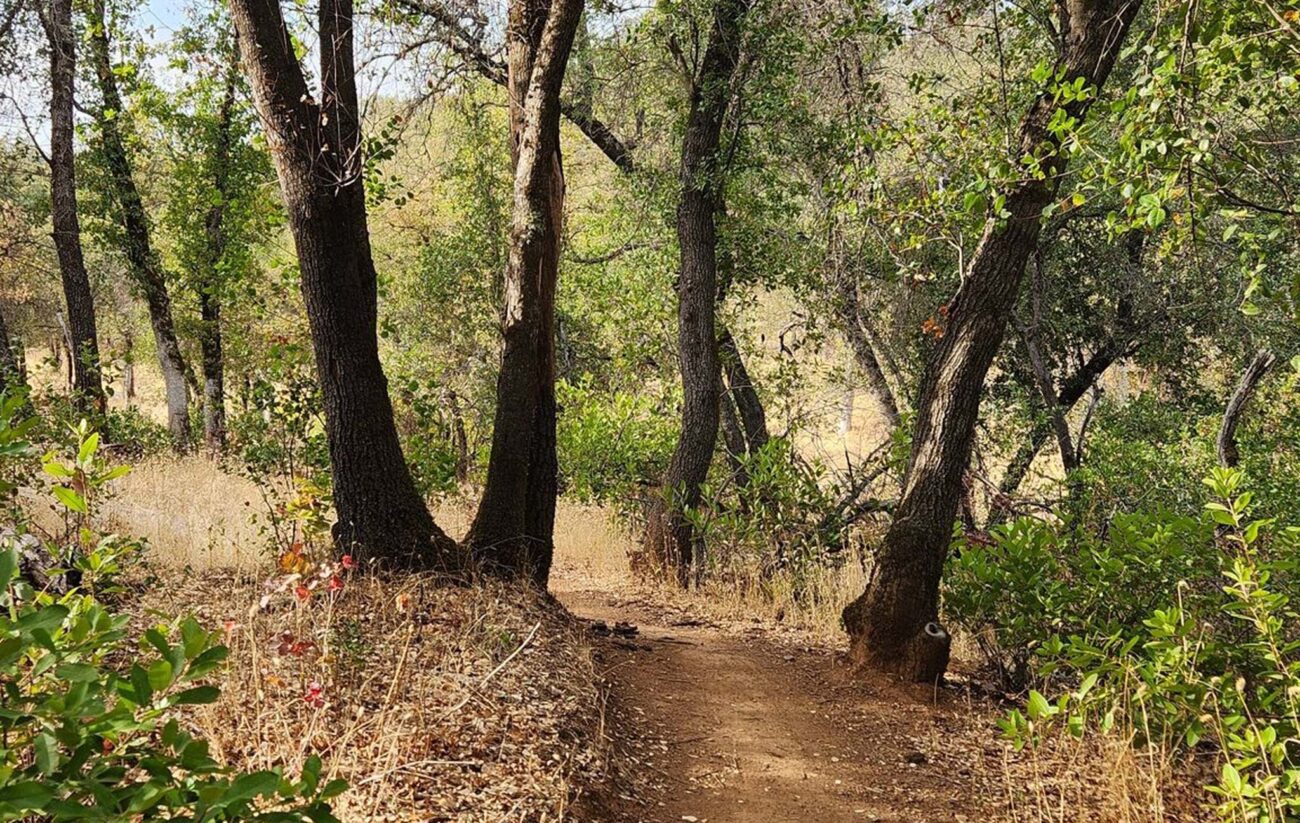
433	702
192	513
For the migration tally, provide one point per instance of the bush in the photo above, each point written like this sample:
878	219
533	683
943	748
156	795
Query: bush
1032	582
610	445
91	723
1216	663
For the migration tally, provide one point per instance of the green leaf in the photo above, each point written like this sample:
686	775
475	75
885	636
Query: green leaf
25	796
160	675
249	786
1038	706
71	499
197	695
88	448
47	753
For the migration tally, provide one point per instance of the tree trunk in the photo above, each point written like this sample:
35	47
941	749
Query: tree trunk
509	539
670	538
11	370
146	268
88	385
1226	444
209	288
893	626
862	345
740	386
317	153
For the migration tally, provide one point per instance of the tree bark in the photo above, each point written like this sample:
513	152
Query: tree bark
670	539
11	369
862	345
893	626
512	535
1226	444
209	287
88	385
146	268
739	385
316	147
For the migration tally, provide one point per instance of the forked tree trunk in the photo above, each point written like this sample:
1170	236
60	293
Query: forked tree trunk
670	539
512	535
893	626
87	380
317	153
146	268
209	291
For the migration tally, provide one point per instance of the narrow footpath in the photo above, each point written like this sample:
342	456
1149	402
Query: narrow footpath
718	724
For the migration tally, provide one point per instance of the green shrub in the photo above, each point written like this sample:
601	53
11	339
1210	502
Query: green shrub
91	723
610	445
1216	663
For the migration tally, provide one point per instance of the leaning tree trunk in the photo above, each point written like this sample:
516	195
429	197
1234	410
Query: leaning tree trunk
317	153
1226	443
512	534
87	380
893	626
670	539
209	291
146	268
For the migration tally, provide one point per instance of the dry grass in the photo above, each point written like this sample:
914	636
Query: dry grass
433	702
193	514
1103	778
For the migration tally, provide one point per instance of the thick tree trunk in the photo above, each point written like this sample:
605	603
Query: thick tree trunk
512	535
209	288
146	269
1226	443
670	538
87	378
893	626
317	153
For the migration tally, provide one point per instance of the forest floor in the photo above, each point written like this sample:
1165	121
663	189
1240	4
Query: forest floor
718	722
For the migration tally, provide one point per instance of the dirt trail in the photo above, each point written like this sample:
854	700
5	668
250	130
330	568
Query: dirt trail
717	724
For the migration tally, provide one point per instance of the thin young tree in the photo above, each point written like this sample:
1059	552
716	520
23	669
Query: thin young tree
670	538
87	380
145	265
512	534
893	626
316	145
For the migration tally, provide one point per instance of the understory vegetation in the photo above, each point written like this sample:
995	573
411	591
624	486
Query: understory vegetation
970	330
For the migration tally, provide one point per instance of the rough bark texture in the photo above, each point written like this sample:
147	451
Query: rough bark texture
316	147
512	534
670	538
1226	444
87	378
893	625
740	387
146	268
210	342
